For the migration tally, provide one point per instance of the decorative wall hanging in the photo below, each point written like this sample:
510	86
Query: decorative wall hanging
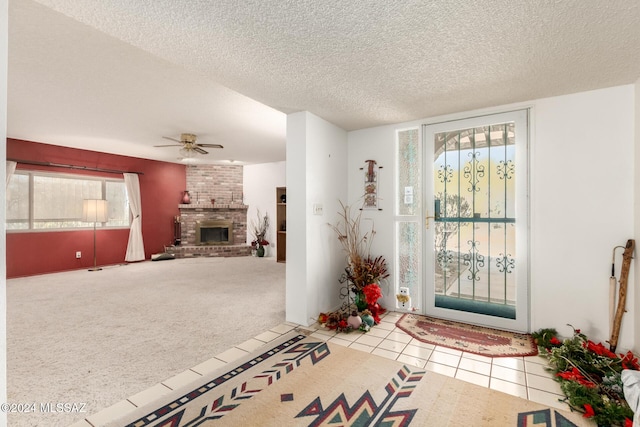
371	185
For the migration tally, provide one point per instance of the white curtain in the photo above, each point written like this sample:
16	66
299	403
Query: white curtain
135	248
11	167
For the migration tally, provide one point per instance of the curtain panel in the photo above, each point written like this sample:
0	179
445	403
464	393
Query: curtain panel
135	247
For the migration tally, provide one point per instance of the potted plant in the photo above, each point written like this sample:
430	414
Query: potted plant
259	228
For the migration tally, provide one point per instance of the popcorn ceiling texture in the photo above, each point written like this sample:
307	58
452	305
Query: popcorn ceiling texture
367	63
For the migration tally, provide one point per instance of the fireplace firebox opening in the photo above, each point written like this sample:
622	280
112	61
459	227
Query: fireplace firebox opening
214	232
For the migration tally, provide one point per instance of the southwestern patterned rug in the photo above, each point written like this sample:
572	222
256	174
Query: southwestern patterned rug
302	381
469	338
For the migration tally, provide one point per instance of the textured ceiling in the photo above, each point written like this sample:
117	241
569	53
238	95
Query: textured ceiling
125	72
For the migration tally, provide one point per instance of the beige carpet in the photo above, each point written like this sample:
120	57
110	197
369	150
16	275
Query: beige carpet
302	381
99	337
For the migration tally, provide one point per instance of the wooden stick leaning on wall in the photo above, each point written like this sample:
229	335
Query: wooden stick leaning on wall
622	293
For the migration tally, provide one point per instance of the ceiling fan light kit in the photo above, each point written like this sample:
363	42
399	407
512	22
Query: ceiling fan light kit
189	145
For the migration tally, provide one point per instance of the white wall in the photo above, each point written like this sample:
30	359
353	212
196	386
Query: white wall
582	198
4	30
316	175
259	188
636	301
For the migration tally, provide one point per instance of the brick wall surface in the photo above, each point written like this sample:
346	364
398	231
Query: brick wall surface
220	182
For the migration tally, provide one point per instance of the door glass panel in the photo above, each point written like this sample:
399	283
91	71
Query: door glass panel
474	177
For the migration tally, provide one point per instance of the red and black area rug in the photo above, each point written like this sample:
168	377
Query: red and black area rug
470	338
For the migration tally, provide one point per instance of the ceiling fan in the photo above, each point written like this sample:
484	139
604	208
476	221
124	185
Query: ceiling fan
189	144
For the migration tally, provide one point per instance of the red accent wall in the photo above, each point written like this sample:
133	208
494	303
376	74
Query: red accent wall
161	186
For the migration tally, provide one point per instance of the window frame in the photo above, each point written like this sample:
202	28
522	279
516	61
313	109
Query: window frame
31	173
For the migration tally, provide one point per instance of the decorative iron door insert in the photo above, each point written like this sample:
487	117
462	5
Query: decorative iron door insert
476	172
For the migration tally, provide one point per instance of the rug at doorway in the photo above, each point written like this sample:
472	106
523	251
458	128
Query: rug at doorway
304	381
470	338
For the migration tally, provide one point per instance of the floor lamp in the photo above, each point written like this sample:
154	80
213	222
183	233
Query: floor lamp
94	211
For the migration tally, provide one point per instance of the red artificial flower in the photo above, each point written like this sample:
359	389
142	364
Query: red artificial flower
628	422
343	324
599	349
577	331
630	361
575	375
555	341
372	293
588	411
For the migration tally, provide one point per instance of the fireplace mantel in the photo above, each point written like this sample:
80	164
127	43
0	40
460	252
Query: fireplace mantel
209	206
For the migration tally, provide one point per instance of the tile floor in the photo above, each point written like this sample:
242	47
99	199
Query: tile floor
524	377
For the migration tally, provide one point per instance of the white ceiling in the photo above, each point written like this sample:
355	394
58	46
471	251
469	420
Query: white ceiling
117	75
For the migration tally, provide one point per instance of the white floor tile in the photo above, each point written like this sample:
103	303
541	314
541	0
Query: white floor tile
472	377
549	399
267	336
387	326
329	332
392	345
376	331
321	336
415	351
400	336
448	350
361	347
250	345
419	343
385	353
182	379
508	374
339	341
282	328
369	340
537	359
349	336
113	412
516	363
149	395
508	387
445	359
441	369
209	366
545	383
477	357
231	354
537	369
476	366
411	360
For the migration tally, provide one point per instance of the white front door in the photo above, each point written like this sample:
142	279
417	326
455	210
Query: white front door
476	225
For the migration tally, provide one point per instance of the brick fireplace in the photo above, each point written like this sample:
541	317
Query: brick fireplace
224	184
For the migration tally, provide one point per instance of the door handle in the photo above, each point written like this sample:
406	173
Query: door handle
426	220
436	213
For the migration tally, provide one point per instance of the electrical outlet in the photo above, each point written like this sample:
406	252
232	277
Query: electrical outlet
78	254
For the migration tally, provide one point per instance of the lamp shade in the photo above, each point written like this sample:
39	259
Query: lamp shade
94	210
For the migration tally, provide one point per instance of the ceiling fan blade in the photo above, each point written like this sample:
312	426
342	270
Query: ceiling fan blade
211	145
200	150
169	145
172	139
